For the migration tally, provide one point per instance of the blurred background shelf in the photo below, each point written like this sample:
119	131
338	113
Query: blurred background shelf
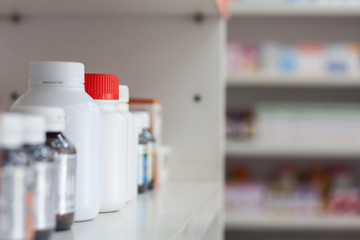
265	80
257	148
292	223
178	211
292	10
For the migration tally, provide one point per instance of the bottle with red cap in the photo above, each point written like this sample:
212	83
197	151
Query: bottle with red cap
104	89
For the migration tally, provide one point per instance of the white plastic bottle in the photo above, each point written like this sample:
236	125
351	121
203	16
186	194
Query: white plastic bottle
61	84
104	88
123	107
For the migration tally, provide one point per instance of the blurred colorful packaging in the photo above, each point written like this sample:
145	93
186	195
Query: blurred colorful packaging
154	108
247	198
242	58
337	56
344	202
311	59
270	55
307	59
288	60
233	57
240	122
354	58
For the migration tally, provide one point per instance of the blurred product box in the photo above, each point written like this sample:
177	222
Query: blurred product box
162	158
293	191
304	59
308	123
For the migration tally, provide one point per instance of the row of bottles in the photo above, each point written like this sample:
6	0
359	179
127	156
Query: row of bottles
52	181
37	174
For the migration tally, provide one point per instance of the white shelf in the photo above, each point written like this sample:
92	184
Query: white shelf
234	221
305	10
258	80
312	149
107	7
178	211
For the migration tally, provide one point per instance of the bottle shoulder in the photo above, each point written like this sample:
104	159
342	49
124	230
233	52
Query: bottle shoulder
148	135
40	153
60	143
14	157
77	100
142	138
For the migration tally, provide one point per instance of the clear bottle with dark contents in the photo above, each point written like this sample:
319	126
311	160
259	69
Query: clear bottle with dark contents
65	163
17	181
142	175
66	174
44	162
151	149
143	161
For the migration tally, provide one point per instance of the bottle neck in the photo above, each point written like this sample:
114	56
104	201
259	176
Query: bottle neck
123	107
33	144
64	86
53	134
107	104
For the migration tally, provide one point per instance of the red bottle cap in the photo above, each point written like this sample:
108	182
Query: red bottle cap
102	86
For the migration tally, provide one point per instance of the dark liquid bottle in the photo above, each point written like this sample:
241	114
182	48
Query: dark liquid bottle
66	172
43	161
142	163
151	150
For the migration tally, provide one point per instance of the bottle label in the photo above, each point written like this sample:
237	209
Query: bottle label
66	183
15	198
150	162
142	165
44	195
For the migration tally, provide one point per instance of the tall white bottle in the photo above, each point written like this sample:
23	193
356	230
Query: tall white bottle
61	84
123	107
104	88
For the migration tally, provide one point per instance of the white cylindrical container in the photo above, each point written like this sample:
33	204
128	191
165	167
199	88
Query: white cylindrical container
123	107
104	88
61	84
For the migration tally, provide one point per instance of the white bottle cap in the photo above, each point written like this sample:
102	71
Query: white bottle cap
34	129
63	73
123	94
138	123
144	118
54	116
11	130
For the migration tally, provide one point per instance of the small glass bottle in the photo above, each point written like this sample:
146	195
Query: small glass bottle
151	149
43	159
142	155
65	162
17	181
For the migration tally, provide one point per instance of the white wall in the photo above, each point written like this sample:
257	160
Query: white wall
166	58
